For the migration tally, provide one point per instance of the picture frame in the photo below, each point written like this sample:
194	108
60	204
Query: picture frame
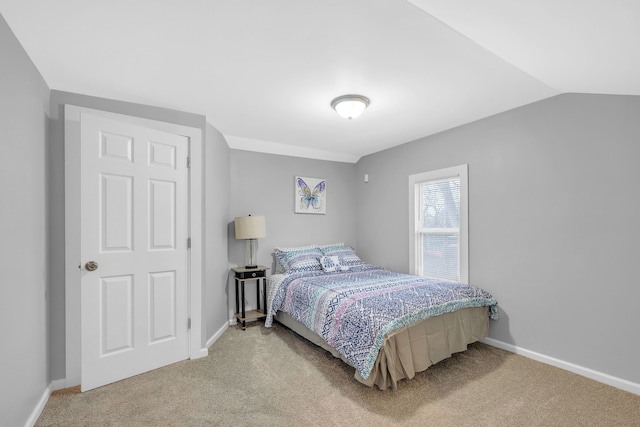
310	195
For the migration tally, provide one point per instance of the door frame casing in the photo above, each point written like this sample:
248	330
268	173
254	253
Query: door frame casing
72	144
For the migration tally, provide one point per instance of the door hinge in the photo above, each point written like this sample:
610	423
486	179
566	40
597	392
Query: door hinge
188	162
189	243
189	324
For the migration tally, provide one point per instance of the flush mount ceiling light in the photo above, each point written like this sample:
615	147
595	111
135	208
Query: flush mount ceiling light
350	106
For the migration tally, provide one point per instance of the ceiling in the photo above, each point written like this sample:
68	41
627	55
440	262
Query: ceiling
264	72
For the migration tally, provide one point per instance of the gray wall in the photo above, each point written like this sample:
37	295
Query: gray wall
263	184
554	231
217	200
24	111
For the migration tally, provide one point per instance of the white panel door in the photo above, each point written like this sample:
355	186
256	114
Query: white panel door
134	226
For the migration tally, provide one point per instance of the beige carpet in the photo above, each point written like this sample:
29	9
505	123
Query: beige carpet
269	377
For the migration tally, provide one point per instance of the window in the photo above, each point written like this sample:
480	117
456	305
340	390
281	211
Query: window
438	224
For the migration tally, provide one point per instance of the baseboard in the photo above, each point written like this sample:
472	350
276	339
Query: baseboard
620	383
217	335
35	414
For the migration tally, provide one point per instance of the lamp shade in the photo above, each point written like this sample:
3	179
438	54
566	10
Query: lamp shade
250	227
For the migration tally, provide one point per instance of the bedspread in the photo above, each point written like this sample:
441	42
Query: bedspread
353	311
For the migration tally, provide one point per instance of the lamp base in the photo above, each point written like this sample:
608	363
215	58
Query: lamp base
250	254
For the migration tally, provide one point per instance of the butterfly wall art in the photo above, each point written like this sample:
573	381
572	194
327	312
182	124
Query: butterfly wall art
311	195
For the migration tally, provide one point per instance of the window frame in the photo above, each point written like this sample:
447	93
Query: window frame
461	172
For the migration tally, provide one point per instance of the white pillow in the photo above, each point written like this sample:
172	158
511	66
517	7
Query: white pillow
331	264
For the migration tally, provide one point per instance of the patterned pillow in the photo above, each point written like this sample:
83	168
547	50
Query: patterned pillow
346	253
331	264
323	247
294	260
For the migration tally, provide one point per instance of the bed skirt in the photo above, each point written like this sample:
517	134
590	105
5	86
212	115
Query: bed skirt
414	348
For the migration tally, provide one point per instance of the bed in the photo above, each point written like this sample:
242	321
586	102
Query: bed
387	325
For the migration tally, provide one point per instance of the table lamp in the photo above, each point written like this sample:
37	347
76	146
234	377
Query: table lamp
250	228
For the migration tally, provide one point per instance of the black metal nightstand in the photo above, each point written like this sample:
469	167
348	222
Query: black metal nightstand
242	274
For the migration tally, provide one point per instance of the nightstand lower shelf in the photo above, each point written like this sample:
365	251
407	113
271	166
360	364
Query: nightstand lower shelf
250	315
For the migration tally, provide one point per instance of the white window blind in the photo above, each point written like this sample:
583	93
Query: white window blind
438	221
439	228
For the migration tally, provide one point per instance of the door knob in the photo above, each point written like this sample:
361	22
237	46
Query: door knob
91	266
